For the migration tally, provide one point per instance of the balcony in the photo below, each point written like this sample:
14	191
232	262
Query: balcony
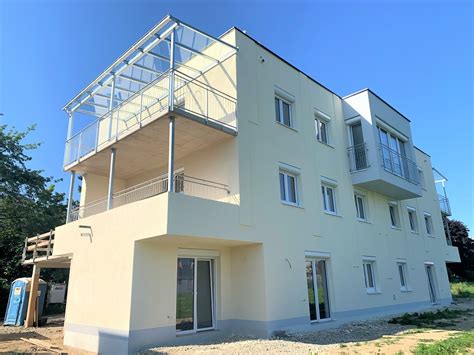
183	184
395	177
193	100
444	205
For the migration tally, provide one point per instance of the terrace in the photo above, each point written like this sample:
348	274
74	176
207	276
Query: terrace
171	94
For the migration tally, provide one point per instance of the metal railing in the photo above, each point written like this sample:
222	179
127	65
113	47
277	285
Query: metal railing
444	205
398	164
183	184
190	95
358	158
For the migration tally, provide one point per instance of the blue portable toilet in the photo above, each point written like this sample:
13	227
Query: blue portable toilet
18	300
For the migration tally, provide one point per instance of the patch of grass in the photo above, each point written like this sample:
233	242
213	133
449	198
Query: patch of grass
459	344
430	319
462	289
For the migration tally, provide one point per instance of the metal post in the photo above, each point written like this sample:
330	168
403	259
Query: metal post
171	82
171	155
111	105
141	109
111	179
33	297
71	192
70	125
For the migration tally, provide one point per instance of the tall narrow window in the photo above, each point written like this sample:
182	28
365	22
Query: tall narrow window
402	273
283	112
393	213
329	198
412	218
288	187
360	207
369	275
322	133
428	223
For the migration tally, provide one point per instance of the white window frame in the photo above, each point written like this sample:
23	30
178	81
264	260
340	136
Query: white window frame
402	271
428	226
325	197
363	199
320	117
394	205
421	177
372	272
412	210
279	114
295	176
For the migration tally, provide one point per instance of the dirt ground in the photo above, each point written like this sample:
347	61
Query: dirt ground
368	337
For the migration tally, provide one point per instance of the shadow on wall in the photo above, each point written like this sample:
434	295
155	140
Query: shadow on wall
112	343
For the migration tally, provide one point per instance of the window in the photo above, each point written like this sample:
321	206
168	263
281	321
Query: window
428	223
360	207
369	276
283	112
288	188
402	273
322	130
393	212
329	198
393	153
412	219
421	177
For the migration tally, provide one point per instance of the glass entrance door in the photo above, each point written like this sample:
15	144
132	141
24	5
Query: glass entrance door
318	296
431	283
194	296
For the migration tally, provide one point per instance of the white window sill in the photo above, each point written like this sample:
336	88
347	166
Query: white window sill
363	221
317	321
405	289
326	144
396	228
291	204
431	236
284	125
334	214
375	292
415	232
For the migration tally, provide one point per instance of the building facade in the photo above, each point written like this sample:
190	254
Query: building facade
289	206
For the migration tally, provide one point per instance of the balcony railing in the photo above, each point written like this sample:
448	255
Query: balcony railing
183	184
444	205
358	159
190	95
398	164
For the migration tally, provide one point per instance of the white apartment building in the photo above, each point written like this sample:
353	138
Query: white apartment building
288	207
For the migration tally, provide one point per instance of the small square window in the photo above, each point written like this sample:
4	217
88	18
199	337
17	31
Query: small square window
428	224
288	188
412	218
321	127
283	112
369	276
329	198
360	207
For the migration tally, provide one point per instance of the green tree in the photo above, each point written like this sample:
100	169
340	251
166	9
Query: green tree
29	205
460	238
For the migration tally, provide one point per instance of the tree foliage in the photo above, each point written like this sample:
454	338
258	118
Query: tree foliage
29	204
460	238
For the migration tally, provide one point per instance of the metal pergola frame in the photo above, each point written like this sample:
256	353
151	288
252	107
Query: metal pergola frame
145	49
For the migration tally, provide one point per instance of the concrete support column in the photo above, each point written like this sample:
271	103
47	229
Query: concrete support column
70	196
172	124
110	190
33	297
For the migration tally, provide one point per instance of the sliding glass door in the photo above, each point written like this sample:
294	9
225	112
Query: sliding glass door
318	295
195	295
431	283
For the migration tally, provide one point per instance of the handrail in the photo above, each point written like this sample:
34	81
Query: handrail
405	167
184	184
358	158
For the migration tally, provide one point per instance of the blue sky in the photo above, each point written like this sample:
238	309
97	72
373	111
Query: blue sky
417	55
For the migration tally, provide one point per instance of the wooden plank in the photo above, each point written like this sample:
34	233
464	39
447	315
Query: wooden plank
41	236
43	344
32	297
39	245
